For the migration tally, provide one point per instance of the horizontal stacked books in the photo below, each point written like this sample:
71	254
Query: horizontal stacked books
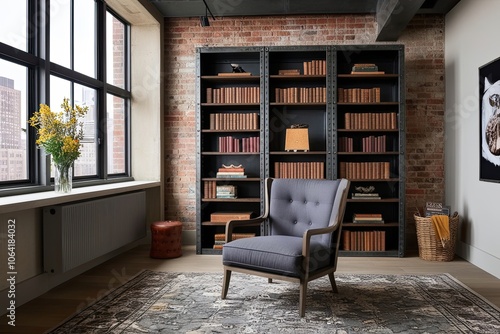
233	95
301	95
365	196
371	121
432	208
378	170
231	172
363	240
220	238
234	121
299	170
315	67
289	72
226	191
359	95
231	144
225	216
367	218
368	144
234	74
366	69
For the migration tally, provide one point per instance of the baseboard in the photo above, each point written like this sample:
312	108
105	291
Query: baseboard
479	258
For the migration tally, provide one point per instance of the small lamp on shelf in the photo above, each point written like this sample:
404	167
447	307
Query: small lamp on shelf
297	138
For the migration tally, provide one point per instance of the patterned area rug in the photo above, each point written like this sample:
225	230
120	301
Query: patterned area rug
158	302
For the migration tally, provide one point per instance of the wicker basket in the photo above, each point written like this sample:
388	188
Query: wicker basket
429	246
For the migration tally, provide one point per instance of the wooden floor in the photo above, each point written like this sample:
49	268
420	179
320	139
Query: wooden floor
50	309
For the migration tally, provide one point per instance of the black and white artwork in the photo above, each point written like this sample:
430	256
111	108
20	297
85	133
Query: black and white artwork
489	104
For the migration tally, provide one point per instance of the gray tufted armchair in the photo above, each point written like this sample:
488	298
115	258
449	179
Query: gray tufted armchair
303	218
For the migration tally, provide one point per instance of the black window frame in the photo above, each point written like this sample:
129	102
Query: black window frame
40	69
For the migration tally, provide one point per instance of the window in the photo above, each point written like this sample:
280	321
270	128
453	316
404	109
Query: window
13	153
78	68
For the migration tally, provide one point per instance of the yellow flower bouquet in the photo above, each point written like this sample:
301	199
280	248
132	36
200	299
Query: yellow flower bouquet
60	133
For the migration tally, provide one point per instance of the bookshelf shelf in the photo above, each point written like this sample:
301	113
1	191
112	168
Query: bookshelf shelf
383	200
297	153
368	103
305	104
226	131
219	78
365	76
232	200
375	144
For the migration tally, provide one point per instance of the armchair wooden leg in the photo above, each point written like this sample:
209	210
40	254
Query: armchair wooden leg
332	282
225	283
302	299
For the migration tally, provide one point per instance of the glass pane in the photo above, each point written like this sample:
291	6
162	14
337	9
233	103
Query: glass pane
60	24
59	89
13	88
86	165
84	40
13	27
115	51
115	135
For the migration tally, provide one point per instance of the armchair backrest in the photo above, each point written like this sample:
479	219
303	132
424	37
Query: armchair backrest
296	205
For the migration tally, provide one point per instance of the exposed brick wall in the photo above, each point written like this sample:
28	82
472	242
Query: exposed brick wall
424	55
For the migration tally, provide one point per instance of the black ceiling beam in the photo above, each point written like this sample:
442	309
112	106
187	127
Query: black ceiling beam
393	16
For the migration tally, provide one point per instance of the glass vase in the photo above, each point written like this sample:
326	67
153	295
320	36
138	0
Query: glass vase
63	178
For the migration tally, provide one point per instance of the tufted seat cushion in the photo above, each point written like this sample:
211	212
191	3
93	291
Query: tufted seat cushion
276	254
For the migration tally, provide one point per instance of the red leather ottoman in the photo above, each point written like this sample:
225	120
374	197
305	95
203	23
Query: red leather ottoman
166	239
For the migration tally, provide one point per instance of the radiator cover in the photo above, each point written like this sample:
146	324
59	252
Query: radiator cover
76	233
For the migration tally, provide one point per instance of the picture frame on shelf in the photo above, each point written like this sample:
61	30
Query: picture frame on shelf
489	122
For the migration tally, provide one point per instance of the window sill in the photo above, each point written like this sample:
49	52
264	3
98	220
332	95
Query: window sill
41	199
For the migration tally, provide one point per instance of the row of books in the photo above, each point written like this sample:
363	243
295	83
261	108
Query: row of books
364	241
233	95
234	121
209	189
315	67
299	170
300	95
359	95
371	121
220	238
366	69
232	144
368	144
378	170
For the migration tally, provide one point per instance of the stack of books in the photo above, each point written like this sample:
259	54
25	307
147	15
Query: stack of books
365	196
220	238
224	216
367	218
227	191
231	172
366	69
289	72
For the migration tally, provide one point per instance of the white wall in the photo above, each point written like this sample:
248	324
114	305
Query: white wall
471	40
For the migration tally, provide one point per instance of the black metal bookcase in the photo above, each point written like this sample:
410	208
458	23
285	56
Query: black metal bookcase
300	85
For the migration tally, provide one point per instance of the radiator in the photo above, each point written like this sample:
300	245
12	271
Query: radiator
74	234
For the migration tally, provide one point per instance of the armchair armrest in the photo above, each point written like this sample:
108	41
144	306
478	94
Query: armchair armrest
230	225
306	238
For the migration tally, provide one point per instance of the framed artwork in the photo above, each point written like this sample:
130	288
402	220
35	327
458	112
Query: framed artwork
489	122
